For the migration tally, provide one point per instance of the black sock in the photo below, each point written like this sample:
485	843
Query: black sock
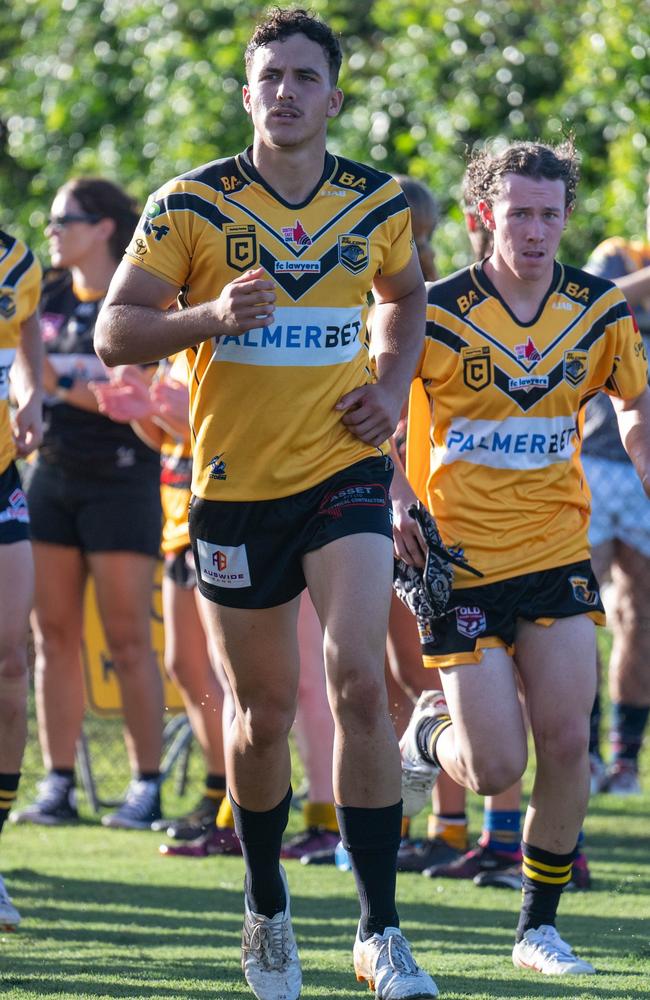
628	725
215	782
428	733
64	772
594	727
371	837
543	877
8	791
260	834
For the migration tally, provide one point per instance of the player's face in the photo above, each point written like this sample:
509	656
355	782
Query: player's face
71	232
289	95
527	220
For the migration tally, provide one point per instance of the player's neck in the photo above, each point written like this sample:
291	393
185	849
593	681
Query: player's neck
94	275
523	296
292	172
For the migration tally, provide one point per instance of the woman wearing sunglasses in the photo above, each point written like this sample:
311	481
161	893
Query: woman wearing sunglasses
95	506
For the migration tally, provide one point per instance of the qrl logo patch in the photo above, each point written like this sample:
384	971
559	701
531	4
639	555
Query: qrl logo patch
477	367
581	592
574	367
241	246
354	253
470	622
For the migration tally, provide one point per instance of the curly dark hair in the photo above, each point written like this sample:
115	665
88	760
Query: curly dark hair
106	200
487	167
280	23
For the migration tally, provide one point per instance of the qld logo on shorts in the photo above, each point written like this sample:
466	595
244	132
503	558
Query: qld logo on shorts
354	252
223	565
241	246
581	591
470	622
16	509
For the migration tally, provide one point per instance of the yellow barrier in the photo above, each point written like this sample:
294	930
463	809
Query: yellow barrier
102	690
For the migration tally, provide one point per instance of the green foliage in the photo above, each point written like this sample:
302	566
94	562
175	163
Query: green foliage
140	90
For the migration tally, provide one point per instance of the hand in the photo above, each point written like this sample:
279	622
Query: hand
245	303
170	399
371	412
122	401
408	543
27	427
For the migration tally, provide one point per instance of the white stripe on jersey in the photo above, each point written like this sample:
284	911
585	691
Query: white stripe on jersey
512	443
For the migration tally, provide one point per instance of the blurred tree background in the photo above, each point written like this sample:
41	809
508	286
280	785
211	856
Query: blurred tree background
140	90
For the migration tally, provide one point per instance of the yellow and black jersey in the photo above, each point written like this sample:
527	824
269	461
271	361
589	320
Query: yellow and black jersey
494	445
175	477
262	404
20	288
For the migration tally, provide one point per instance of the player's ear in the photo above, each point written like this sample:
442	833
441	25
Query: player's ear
246	98
486	214
335	103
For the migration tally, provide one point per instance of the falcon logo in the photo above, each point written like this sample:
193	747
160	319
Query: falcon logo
528	354
297	235
7	304
574	367
354	253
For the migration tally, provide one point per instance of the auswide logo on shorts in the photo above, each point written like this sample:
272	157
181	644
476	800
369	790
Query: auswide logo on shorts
223	565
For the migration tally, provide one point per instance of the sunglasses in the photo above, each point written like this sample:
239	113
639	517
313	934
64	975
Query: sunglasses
58	221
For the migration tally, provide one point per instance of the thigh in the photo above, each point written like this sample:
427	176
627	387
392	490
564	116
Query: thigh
186	648
557	665
53	508
124	589
350	583
259	652
59	583
16	593
121	516
484	704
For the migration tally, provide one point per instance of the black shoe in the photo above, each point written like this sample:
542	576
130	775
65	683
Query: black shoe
416	855
195	823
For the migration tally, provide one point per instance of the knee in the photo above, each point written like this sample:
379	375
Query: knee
359	698
13	666
494	777
561	745
267	721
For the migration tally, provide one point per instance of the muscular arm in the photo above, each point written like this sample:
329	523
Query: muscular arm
633	417
372	411
136	325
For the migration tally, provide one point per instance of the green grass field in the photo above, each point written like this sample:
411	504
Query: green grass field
104	915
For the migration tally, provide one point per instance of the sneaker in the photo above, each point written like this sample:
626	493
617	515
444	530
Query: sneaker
269	956
416	855
580	874
543	950
140	808
623	779
499	878
472	863
385	962
9	915
215	840
315	838
597	774
56	803
194	824
418	775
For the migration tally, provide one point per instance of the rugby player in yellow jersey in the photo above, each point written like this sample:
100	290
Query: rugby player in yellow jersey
514	348
20	341
272	254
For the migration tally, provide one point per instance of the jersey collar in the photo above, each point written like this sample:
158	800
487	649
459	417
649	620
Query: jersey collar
245	160
486	286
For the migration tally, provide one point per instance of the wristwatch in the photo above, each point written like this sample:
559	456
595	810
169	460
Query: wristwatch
64	384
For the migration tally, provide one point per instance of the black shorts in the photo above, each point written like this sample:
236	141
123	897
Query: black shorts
249	555
179	568
117	514
485	617
14	514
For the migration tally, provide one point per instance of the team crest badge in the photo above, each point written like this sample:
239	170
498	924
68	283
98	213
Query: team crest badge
470	622
354	253
297	235
7	304
581	591
241	246
477	367
528	354
574	367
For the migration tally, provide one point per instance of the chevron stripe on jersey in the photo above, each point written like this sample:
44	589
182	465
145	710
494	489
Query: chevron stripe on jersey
262	404
20	287
502	461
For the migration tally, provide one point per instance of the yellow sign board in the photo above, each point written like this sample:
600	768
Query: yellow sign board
102	690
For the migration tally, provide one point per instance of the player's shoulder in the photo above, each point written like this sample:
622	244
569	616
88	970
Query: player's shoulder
17	260
457	292
209	180
586	288
364	179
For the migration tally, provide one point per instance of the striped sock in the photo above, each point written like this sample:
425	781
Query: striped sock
8	792
543	877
